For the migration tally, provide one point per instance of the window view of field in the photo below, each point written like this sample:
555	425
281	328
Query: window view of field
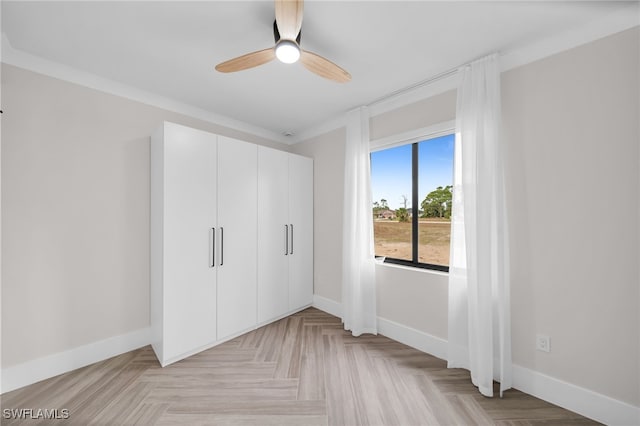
393	239
392	189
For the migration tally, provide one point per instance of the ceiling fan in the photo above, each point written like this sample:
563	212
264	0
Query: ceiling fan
286	31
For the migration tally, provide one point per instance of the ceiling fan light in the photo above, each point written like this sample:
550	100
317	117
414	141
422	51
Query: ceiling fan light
287	51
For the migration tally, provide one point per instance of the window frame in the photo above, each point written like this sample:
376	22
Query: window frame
414	137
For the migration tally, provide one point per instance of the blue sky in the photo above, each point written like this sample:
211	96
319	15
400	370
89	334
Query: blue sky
391	170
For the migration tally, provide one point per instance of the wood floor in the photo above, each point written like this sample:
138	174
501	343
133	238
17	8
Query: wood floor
302	370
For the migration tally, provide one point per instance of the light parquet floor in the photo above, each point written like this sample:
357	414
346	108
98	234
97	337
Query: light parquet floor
302	370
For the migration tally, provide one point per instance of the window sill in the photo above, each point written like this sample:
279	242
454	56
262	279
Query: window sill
411	268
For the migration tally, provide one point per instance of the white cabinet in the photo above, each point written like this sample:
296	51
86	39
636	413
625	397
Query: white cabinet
203	240
301	229
237	229
231	238
285	233
273	223
183	205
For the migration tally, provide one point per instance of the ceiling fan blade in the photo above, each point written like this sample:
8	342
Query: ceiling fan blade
247	61
289	18
324	67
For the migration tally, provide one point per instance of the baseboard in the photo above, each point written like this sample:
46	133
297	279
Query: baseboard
580	400
327	305
417	339
279	317
401	333
39	369
583	401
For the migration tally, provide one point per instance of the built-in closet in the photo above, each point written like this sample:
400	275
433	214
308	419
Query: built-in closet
231	238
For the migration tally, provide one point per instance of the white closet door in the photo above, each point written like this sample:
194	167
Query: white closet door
190	213
301	218
237	239
273	228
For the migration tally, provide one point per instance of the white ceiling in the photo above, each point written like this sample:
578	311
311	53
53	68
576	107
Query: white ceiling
171	48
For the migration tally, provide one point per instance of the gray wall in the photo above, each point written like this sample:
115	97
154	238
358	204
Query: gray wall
571	122
75	213
328	182
436	109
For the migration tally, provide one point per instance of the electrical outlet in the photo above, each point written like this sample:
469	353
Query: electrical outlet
543	343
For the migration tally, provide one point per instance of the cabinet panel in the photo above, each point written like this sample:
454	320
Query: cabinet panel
301	217
237	242
189	214
273	202
231	238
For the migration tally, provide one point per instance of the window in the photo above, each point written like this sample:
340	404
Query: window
412	193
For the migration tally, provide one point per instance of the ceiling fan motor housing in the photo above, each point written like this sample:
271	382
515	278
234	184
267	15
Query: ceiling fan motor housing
276	33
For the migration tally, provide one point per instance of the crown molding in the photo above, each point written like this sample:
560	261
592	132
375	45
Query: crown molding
618	21
326	126
21	59
621	20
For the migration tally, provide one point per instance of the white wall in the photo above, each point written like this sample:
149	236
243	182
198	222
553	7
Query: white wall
572	125
413	297
75	213
571	122
436	109
328	181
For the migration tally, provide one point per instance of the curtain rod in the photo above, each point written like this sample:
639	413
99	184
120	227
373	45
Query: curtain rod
415	86
427	81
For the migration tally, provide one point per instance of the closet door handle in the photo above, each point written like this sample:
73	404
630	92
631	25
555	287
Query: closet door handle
212	247
221	246
286	240
291	252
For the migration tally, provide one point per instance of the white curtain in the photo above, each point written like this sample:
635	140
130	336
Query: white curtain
479	311
358	259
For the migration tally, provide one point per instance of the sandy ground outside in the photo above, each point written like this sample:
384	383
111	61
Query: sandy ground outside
393	239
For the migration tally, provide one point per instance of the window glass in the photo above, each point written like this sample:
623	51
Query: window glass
391	195
435	190
415	235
